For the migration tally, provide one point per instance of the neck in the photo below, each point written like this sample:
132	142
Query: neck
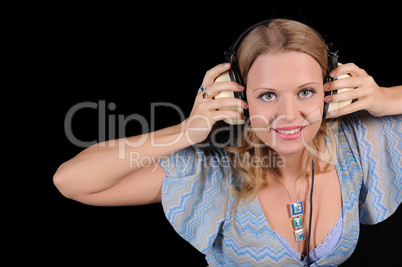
294	165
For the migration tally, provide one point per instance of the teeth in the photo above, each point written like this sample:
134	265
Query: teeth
289	132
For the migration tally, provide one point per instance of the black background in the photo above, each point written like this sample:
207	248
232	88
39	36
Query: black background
132	56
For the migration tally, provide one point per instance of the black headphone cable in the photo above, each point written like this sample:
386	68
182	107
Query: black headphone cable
311	213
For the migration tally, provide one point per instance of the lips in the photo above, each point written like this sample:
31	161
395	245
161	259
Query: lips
289	133
289	130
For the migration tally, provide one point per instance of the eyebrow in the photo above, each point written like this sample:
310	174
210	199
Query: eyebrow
272	89
303	85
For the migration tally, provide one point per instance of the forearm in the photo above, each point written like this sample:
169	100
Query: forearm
103	165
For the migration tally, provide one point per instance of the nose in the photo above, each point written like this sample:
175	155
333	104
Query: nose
288	108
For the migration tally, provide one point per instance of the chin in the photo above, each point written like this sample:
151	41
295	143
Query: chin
287	148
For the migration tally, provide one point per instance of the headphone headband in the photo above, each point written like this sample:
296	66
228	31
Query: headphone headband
249	29
230	55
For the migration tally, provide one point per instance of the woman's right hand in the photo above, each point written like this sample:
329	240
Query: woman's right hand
207	111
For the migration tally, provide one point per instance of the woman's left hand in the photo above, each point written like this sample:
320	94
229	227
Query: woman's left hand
378	101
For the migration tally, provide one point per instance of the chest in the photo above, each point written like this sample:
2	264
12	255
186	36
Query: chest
327	205
246	236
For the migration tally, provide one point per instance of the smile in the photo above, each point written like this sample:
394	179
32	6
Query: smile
289	133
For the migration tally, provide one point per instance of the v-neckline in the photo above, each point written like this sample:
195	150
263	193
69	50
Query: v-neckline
266	223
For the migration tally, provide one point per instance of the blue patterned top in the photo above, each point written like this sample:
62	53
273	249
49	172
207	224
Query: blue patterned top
198	203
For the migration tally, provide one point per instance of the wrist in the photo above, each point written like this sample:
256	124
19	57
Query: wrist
195	129
393	98
172	138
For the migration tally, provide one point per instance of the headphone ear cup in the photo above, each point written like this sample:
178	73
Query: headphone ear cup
235	74
229	76
242	95
332	51
326	93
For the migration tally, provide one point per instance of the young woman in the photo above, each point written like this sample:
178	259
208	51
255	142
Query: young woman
249	203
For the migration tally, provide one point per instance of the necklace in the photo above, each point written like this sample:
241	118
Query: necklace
296	212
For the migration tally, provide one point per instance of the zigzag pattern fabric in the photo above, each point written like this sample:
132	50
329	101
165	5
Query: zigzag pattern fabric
198	203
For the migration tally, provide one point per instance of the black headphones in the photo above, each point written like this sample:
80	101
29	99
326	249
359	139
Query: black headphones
235	75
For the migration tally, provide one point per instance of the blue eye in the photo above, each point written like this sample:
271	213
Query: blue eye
306	93
267	96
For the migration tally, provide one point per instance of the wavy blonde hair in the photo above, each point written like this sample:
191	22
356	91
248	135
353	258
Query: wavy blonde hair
275	37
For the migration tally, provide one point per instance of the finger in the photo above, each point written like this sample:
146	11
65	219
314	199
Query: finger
349	68
228	114
218	87
226	103
356	106
213	105
211	74
347	95
349	82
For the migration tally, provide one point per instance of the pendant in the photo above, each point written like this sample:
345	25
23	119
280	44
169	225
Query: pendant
299	235
296	209
297	223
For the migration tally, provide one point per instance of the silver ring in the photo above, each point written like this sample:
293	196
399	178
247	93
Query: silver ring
203	88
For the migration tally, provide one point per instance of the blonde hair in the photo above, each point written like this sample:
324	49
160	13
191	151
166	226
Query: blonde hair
275	37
